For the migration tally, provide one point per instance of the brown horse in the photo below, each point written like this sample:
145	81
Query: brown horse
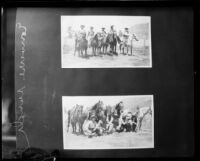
112	40
110	110
96	44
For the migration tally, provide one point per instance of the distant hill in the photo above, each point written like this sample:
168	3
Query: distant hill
131	105
141	30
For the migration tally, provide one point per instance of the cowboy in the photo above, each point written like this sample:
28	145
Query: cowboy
81	33
69	32
129	122
113	124
126	35
91	35
103	32
112	30
134	123
92	128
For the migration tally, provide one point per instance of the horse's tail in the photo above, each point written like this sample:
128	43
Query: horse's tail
69	118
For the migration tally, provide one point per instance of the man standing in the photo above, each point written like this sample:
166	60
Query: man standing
125	37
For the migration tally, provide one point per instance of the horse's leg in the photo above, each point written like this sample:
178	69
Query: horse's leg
75	49
78	52
116	49
95	51
81	126
72	127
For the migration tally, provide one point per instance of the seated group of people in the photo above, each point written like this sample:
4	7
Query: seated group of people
123	123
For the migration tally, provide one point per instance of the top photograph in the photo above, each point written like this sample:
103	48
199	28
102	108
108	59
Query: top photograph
106	42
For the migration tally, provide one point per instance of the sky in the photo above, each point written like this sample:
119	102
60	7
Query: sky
88	101
120	22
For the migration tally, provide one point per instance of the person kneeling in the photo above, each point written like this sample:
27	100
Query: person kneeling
93	128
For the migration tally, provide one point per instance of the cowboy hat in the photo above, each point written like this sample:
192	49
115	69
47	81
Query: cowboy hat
82	25
93	116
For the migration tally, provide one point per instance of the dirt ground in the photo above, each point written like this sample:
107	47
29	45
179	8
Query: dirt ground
140	58
112	141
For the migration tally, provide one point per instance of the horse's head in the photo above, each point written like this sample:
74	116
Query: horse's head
119	108
100	106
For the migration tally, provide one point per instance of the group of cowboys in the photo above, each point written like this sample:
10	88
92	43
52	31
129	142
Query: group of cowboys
82	34
126	122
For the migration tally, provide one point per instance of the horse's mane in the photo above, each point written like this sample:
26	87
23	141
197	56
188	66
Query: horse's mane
94	107
75	109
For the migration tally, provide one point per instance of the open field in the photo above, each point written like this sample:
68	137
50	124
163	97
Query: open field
140	57
112	141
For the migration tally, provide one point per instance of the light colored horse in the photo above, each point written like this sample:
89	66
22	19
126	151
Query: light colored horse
143	111
75	116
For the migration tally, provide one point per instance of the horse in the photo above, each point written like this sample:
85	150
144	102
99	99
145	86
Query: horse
75	116
96	44
97	110
104	45
112	40
81	44
140	116
111	110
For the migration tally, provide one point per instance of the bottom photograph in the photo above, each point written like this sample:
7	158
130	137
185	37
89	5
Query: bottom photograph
108	122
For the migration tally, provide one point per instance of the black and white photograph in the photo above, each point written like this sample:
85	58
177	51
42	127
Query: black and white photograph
106	41
108	122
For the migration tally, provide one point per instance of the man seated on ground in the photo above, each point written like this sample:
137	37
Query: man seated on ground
113	124
129	122
134	121
92	128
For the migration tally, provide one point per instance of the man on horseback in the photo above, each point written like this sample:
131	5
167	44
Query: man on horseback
112	40
112	30
69	32
81	42
103	32
81	33
90	35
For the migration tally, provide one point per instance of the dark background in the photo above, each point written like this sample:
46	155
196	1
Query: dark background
170	80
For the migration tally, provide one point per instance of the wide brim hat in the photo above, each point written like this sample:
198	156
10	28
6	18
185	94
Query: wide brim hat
126	28
93	116
82	25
